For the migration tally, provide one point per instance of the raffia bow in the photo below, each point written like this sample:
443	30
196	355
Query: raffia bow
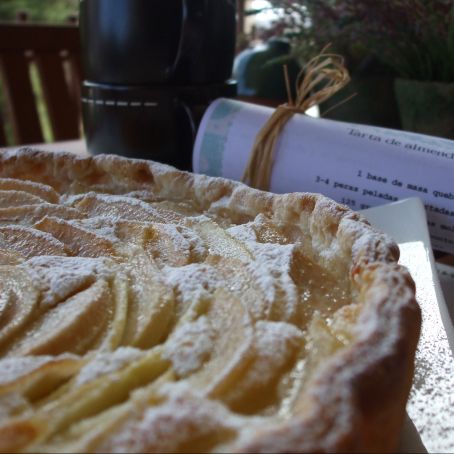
327	71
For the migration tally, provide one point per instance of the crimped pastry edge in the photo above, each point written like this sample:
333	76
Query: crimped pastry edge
358	396
334	229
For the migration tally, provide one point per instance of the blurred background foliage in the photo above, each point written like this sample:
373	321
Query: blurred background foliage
400	54
50	11
408	38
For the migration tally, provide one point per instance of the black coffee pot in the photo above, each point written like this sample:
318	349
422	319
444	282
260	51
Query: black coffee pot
151	68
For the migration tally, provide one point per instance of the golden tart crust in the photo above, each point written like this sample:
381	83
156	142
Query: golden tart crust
145	309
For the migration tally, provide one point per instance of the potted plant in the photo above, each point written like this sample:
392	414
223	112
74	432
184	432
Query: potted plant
419	46
414	39
400	55
311	25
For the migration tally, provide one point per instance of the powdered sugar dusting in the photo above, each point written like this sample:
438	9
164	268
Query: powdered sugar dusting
271	271
100	225
192	283
60	277
41	190
243	232
195	244
116	206
29	241
12	404
209	275
104	363
275	343
190	346
14	368
184	416
176	244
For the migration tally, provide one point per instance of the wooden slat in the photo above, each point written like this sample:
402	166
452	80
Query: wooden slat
2	131
75	63
60	104
16	79
39	37
43	44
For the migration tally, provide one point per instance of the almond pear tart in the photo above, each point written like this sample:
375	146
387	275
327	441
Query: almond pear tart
144	309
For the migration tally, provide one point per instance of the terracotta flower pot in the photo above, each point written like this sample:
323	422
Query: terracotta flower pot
426	107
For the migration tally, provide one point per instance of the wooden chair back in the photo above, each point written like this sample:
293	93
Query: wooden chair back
53	53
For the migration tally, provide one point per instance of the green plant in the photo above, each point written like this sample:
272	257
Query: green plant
415	38
408	38
426	52
39	11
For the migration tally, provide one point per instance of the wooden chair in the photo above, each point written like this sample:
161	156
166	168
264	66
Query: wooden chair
54	53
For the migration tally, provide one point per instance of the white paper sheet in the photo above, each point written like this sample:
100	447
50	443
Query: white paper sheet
361	166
